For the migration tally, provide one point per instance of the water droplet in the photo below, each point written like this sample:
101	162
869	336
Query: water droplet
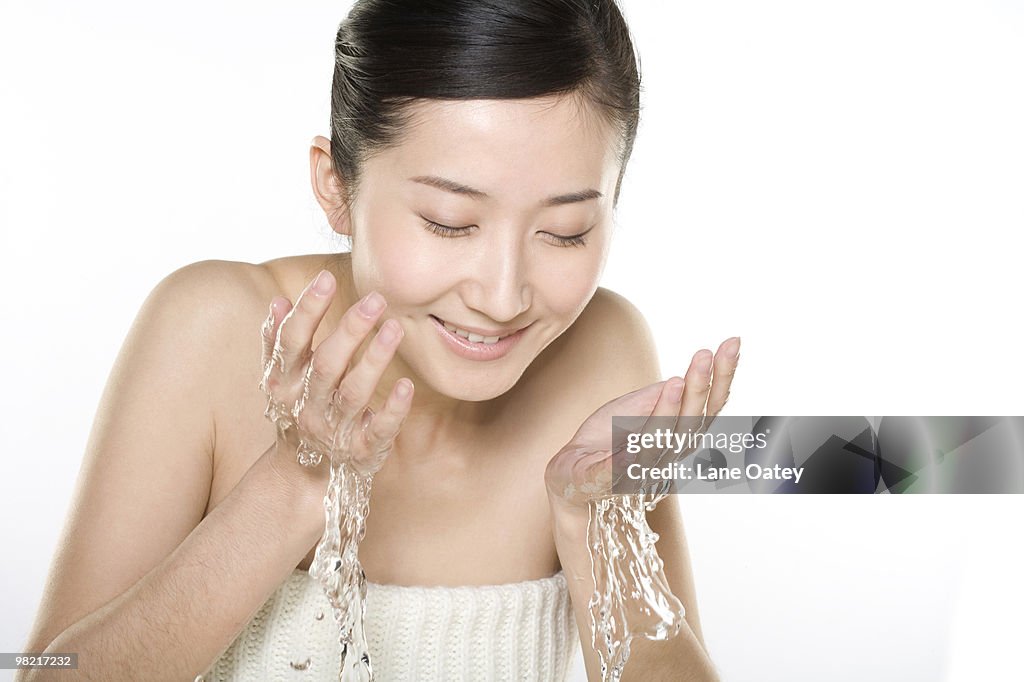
300	666
320	616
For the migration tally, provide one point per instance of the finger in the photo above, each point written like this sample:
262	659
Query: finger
671	398
667	408
279	307
356	389
726	359
698	384
384	428
296	333
334	354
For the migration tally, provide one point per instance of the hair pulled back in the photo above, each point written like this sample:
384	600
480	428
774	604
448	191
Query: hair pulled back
390	53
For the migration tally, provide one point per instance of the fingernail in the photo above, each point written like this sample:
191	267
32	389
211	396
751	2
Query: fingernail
734	350
675	390
272	316
704	364
366	418
372	304
322	283
403	389
389	332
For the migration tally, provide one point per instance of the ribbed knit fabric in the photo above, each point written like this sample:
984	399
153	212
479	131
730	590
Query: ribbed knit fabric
516	631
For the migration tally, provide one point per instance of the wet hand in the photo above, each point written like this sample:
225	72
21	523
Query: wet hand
582	470
318	399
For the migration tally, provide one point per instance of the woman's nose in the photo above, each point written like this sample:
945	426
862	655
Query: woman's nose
501	287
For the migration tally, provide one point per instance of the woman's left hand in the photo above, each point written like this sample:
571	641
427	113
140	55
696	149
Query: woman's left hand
582	469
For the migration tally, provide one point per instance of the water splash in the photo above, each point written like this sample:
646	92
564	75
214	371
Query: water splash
336	564
632	597
346	505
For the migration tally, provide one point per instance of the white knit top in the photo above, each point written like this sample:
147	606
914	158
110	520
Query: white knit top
515	631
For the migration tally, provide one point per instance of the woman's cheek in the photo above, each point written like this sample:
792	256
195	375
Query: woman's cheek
389	258
569	290
411	270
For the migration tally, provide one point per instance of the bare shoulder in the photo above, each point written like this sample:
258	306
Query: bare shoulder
610	344
226	297
611	324
215	309
217	288
192	312
608	351
225	303
211	314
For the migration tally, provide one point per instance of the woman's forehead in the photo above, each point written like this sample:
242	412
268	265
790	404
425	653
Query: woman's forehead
531	144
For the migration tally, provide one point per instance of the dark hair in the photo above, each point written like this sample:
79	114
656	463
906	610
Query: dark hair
390	53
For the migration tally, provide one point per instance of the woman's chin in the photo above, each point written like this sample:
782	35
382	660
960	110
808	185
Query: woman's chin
474	389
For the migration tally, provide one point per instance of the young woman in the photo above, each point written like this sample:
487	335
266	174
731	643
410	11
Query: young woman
475	157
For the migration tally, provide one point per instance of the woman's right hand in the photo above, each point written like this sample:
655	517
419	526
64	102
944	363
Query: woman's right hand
318	399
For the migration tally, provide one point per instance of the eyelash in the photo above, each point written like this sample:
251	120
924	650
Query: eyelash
446	231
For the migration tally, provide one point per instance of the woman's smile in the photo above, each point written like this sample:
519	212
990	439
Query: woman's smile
474	343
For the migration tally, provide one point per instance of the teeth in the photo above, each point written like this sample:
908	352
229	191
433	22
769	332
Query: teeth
474	338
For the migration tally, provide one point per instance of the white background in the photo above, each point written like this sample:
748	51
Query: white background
839	183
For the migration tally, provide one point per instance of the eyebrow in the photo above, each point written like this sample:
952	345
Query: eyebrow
458	188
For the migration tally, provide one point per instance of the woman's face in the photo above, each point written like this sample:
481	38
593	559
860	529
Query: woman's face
527	186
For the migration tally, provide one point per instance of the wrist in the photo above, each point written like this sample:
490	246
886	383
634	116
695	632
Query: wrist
301	488
570	532
569	521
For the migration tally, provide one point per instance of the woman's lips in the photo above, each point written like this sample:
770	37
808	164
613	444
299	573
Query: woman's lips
470	350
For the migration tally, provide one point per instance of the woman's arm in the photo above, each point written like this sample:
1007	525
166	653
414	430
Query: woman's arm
184	613
623	334
142	587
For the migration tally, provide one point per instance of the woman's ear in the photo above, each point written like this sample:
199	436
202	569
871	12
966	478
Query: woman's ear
327	188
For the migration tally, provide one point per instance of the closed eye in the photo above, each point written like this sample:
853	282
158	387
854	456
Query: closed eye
572	240
557	240
446	230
